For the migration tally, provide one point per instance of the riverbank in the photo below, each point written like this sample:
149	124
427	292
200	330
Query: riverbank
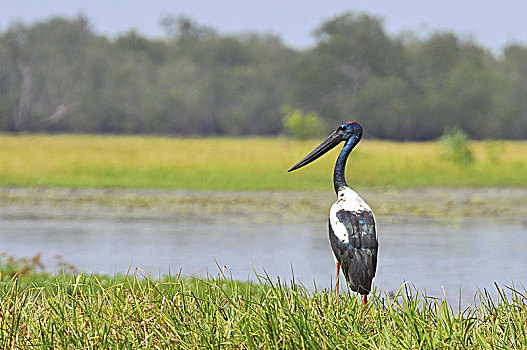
104	311
497	204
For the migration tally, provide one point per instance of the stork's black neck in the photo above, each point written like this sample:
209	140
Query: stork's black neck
339	179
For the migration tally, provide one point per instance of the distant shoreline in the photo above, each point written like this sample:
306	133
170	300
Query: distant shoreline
247	164
485	203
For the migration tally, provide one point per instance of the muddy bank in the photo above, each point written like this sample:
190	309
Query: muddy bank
508	204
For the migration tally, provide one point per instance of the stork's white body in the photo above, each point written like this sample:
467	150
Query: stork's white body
348	200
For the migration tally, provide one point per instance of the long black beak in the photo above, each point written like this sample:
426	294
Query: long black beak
328	144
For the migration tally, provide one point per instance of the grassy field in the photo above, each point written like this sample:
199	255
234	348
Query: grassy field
245	164
101	312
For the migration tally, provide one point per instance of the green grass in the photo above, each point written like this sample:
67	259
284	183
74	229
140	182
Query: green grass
245	164
125	312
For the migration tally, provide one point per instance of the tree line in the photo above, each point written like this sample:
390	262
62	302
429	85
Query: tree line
60	76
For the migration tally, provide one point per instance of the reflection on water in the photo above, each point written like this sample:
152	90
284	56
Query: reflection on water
430	254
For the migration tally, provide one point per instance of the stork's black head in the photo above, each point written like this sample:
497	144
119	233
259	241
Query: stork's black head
344	132
349	129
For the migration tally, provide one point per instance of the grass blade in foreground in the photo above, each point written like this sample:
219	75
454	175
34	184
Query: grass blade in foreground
91	311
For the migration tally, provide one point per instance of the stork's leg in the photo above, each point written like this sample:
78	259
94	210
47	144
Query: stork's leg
338	279
364	299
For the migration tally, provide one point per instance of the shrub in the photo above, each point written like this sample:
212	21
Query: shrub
457	146
302	126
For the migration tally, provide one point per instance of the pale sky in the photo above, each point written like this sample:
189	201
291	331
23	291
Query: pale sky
492	24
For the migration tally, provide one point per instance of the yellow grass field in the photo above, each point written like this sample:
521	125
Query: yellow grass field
245	163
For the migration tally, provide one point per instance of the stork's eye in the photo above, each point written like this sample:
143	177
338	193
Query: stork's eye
340	129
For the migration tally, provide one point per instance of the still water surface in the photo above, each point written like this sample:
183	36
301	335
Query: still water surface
429	253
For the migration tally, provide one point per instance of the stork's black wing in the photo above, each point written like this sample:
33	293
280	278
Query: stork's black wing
357	254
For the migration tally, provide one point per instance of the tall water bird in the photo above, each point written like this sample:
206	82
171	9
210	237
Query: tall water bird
352	233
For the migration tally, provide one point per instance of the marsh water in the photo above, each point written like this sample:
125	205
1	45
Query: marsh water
431	254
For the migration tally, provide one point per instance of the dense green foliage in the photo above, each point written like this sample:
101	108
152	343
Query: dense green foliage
58	75
41	311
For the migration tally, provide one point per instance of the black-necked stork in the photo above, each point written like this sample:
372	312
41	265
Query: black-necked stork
352	232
